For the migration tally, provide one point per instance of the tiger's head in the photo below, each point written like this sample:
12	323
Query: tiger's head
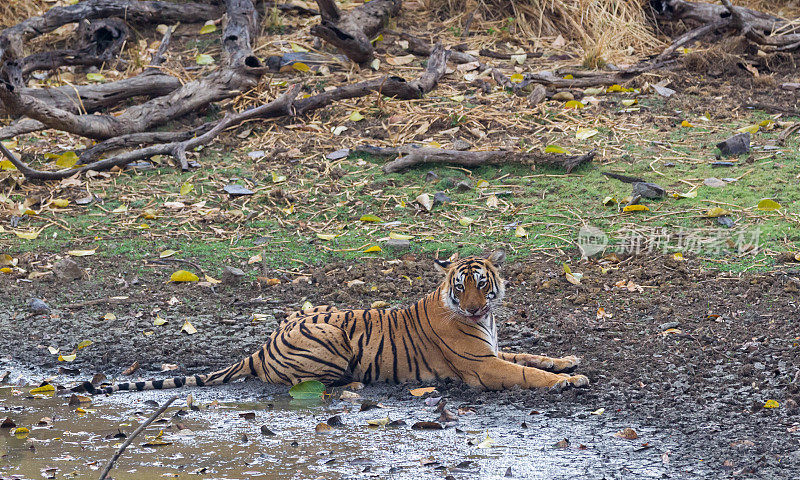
472	287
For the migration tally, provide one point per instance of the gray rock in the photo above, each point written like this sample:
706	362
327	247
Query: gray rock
736	145
235	190
563	96
537	96
66	269
725	221
37	305
431	177
463	186
461	144
668	325
440	198
648	190
338	154
232	275
398	244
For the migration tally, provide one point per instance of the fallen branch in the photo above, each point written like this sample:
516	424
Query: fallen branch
352	33
412	156
282	106
242	71
133	436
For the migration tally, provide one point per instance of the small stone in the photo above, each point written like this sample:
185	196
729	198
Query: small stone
431	177
563	96
266	431
461	144
256	154
67	269
37	306
537	96
648	190
714	182
235	190
440	198
668	325
463	186
338	154
232	275
722	164
398	244
725	221
735	145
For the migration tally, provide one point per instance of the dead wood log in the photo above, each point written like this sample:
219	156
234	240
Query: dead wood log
705	13
412	156
418	46
281	106
242	71
758	27
352	32
12	38
91	98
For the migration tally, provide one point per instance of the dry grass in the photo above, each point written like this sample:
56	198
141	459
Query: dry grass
609	30
14	11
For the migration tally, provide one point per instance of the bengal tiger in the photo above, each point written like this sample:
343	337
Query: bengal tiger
450	333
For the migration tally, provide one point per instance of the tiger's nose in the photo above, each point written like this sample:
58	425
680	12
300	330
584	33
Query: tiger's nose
473	311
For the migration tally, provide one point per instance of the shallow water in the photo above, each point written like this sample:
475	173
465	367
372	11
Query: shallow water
218	442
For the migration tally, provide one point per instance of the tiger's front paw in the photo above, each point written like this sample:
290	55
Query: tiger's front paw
565	363
570	381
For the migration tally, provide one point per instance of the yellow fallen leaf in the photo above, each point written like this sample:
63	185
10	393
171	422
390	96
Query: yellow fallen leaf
554	149
418	392
768	205
749	128
53	350
67	358
635	208
378	304
574	104
326	236
109	316
186	188
306	306
27	235
772	404
204	59
159	321
373	248
466	221
686	124
672	331
379	422
617	88
599	411
629	102
691	194
370	218
584	133
520	232
716	212
83	344
678	257
569	76
167	253
149	214
356	116
7	270
301	67
400	236
43	389
458	98
21	432
288	210
487	442
121	209
211	279
609	200
95	77
188	328
7	165
297	48
183	276
81	253
60	202
517	78
208	27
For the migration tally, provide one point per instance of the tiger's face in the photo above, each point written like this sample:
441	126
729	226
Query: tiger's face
473	287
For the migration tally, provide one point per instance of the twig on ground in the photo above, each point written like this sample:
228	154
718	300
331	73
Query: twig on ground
135	433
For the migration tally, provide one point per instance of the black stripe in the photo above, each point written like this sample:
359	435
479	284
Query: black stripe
179	381
140	385
158	384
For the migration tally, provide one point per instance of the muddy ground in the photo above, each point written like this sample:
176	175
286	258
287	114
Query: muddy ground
685	354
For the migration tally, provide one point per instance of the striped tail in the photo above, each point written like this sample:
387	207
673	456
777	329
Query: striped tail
241	369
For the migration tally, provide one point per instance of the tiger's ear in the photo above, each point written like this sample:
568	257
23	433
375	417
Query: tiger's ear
442	265
497	257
